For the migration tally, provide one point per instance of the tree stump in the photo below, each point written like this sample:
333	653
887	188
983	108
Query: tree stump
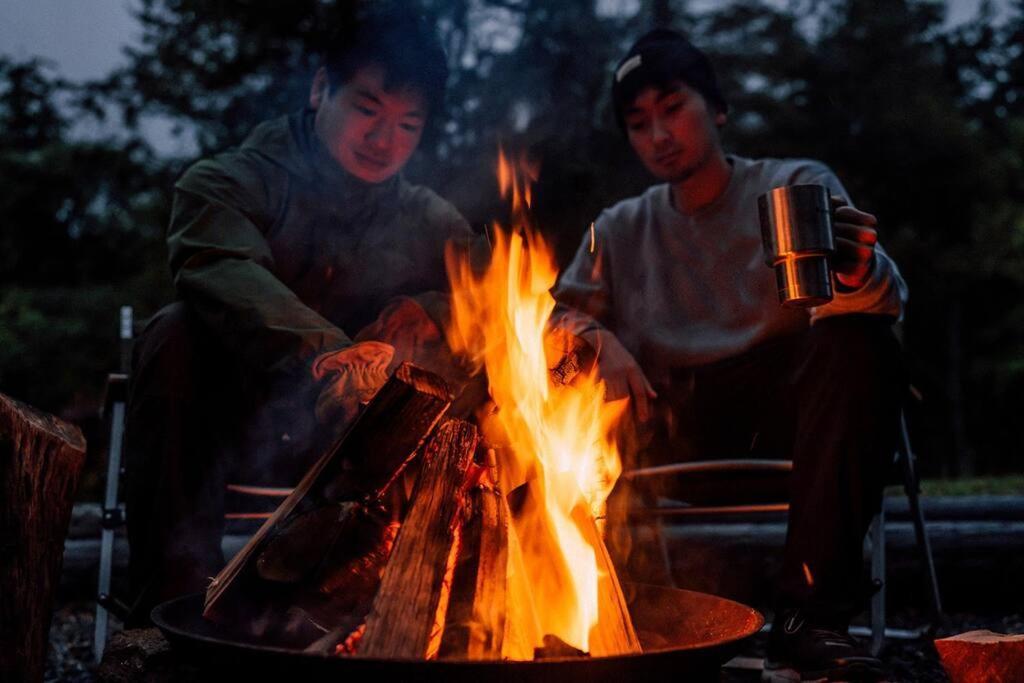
41	458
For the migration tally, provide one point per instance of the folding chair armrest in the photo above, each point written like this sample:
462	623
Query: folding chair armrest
703	466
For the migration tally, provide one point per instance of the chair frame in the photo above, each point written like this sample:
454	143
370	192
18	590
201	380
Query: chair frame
904	460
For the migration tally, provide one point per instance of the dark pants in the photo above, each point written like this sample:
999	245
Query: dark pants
195	418
828	399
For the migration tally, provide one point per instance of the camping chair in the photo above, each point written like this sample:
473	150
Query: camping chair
654	512
248	502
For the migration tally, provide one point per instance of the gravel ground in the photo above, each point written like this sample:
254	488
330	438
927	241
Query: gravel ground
71	635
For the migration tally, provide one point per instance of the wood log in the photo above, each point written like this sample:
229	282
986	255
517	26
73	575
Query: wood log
982	657
522	627
41	458
358	467
475	619
407	617
614	632
549	569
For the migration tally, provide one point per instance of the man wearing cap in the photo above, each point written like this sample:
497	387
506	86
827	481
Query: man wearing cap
673	293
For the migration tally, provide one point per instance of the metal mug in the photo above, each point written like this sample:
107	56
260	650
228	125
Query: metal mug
796	229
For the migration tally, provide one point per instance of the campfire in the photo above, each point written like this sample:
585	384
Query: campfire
423	536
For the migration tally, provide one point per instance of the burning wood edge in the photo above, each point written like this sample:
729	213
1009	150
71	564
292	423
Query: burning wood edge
475	621
404	618
359	466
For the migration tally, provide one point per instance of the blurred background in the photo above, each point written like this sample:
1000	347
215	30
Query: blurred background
917	105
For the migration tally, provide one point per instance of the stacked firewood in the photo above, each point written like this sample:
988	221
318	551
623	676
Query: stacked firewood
399	543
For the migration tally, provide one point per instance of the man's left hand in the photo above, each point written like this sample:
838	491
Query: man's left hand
855	243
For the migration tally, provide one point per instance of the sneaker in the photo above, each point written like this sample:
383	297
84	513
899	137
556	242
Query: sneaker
799	651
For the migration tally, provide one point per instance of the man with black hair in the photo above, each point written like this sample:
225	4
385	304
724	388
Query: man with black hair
672	291
281	251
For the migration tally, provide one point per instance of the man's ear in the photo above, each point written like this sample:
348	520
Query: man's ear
720	119
318	90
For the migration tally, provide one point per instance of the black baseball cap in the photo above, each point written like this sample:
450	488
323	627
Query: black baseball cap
660	58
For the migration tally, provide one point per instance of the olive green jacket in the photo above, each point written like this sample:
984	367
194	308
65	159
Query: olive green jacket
284	255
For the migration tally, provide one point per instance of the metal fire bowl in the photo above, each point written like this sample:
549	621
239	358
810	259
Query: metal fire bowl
685	636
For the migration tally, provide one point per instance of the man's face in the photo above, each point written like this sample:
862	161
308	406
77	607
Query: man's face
370	131
674	131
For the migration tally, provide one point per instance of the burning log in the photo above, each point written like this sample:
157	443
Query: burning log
41	459
614	633
475	622
522	627
408	612
356	472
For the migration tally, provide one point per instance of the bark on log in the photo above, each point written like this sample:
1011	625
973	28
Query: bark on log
360	466
475	620
982	657
41	458
408	612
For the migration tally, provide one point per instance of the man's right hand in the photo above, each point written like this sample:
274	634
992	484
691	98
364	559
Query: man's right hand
353	375
621	373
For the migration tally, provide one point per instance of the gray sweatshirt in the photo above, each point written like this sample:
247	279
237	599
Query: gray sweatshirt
685	290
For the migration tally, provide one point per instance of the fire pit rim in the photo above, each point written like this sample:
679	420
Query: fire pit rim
177	633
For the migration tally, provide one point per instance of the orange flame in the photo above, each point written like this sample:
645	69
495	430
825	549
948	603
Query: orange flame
559	438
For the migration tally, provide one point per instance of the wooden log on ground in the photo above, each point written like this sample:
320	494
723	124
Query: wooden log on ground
360	466
41	458
982	657
407	618
475	619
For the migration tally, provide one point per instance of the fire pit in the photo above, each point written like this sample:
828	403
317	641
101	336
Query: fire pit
685	635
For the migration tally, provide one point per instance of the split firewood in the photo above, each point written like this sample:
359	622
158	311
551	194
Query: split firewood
475	619
614	633
522	627
567	356
407	618
358	468
41	458
982	657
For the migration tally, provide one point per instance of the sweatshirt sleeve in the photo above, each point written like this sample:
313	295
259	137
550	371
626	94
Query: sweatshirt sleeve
583	293
885	292
222	265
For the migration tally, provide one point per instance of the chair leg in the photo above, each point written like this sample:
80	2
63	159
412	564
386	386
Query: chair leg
112	518
911	486
877	535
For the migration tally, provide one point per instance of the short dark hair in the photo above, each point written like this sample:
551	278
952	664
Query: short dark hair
661	58
404	44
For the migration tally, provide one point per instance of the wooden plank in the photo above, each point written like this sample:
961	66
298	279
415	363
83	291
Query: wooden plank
359	466
404	618
41	458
